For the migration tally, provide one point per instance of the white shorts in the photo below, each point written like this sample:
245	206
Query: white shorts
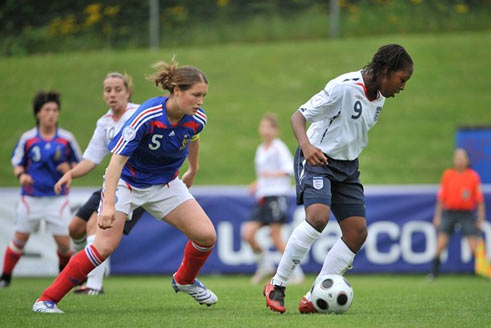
55	211
158	200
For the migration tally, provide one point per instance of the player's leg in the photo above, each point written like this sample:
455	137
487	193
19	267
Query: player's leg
445	230
80	265
314	191
63	251
78	232
26	222
190	218
95	278
78	224
263	270
12	256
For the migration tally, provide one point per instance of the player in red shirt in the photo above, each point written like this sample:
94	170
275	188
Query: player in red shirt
458	198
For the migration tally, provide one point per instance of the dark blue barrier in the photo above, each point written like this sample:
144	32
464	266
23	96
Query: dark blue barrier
477	142
401	237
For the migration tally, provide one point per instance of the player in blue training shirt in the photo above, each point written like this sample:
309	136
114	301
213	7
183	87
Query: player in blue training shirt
39	159
143	171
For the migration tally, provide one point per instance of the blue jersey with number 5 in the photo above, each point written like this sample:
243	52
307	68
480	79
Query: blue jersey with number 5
156	148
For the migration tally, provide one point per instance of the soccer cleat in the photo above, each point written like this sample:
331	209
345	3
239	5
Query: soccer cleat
4	284
45	307
305	305
197	290
275	297
88	291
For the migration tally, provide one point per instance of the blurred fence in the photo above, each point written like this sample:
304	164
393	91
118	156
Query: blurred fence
30	26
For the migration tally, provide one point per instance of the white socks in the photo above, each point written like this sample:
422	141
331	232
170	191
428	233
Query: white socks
338	260
298	245
79	244
96	276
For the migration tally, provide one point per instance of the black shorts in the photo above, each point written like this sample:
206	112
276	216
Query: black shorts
465	219
92	205
336	185
271	209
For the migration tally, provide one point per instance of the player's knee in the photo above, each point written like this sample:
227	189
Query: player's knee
77	229
356	237
64	249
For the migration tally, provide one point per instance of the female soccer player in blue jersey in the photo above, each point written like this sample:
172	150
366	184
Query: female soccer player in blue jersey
147	154
117	91
326	164
39	159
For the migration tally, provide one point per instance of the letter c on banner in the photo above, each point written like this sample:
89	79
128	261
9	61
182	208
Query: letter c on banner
372	251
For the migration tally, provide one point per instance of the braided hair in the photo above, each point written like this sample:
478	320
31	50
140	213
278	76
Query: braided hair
393	57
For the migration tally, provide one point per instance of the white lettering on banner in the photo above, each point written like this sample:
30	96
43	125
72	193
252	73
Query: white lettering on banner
408	254
225	248
371	250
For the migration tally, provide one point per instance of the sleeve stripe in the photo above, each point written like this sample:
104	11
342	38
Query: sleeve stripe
140	119
122	143
149	111
200	120
201	115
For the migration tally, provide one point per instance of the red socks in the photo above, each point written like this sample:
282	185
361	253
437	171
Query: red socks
10	260
194	258
75	272
63	259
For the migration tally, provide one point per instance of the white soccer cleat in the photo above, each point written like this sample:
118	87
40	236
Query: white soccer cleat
197	290
45	307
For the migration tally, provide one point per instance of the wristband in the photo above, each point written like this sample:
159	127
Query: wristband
19	174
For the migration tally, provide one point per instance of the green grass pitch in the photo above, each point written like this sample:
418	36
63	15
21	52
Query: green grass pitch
149	301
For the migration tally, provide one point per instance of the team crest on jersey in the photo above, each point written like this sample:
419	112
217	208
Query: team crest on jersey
58	154
129	133
185	142
318	183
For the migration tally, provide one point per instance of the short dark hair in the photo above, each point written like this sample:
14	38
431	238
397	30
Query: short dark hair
393	57
43	97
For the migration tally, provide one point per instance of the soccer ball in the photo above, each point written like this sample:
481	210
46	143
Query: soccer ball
332	294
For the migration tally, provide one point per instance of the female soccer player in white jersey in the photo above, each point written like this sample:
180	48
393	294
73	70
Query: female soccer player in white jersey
117	91
274	170
39	159
326	164
143	171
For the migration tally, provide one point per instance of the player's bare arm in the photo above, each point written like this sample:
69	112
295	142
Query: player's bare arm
193	163
78	170
313	155
113	173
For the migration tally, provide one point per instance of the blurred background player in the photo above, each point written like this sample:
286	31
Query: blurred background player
117	91
147	154
458	198
326	165
274	169
39	159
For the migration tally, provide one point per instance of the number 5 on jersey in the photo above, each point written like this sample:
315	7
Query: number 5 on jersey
155	144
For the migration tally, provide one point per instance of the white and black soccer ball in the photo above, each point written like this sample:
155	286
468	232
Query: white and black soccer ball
332	293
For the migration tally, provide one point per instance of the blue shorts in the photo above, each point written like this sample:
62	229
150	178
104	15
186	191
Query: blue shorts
336	185
465	219
270	209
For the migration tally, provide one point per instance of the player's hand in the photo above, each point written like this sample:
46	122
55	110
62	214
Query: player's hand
188	178
66	179
63	167
25	179
107	217
314	155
